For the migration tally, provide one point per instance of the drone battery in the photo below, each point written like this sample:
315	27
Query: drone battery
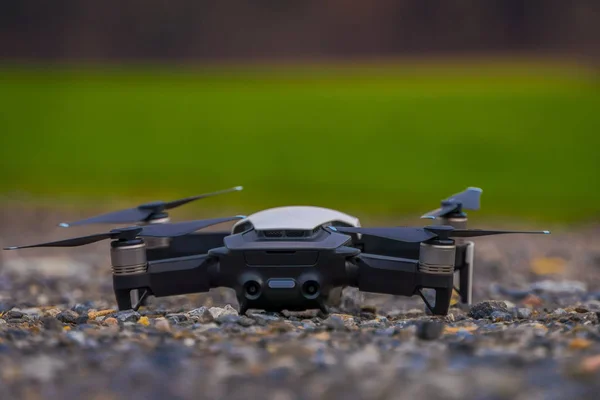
437	258
128	258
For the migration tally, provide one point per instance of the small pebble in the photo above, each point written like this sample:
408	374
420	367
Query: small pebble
429	330
264	318
216	312
227	319
51	324
175	319
500	316
206	327
52	312
202	315
110	321
373	323
486	308
335	322
162	324
14	314
127	316
246	321
524	313
67	316
99	314
81	308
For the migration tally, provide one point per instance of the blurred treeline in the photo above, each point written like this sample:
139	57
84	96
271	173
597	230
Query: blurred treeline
236	29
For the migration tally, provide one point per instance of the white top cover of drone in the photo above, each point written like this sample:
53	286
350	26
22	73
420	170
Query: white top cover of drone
296	217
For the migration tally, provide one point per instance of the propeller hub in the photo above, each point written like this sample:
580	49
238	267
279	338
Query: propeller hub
157	218
443	232
119	243
453	205
125	234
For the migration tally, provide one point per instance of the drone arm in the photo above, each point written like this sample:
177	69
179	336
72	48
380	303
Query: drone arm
188	245
167	277
463	260
399	276
383	274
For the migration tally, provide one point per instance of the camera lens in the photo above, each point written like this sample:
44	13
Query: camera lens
310	289
252	289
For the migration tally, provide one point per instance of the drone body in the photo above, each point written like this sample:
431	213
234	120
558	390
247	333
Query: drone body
289	258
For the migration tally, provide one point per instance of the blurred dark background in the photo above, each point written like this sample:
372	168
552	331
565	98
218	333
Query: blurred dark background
246	30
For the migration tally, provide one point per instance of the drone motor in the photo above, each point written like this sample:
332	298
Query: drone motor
437	257
157	242
128	257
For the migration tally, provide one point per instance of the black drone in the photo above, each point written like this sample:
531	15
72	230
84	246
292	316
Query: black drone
288	258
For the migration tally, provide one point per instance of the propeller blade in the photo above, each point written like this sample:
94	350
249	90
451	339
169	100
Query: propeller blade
80	241
440	211
485	232
414	235
400	233
467	199
156	230
176	203
182	228
130	215
142	212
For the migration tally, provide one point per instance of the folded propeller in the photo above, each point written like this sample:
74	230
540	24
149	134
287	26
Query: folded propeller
415	235
130	233
468	199
143	212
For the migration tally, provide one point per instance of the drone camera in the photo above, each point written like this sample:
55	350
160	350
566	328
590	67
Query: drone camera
310	289
252	290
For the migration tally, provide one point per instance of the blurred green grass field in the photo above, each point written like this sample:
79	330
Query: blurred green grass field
369	140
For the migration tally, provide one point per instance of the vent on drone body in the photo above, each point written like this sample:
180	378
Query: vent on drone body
286	233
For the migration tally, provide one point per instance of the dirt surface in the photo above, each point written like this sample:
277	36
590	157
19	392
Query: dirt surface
532	332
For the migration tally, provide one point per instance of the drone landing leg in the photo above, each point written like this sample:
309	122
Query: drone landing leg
442	301
464	284
420	292
123	299
323	307
465	275
141	301
243	306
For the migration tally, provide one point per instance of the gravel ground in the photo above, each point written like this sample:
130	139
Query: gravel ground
532	333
